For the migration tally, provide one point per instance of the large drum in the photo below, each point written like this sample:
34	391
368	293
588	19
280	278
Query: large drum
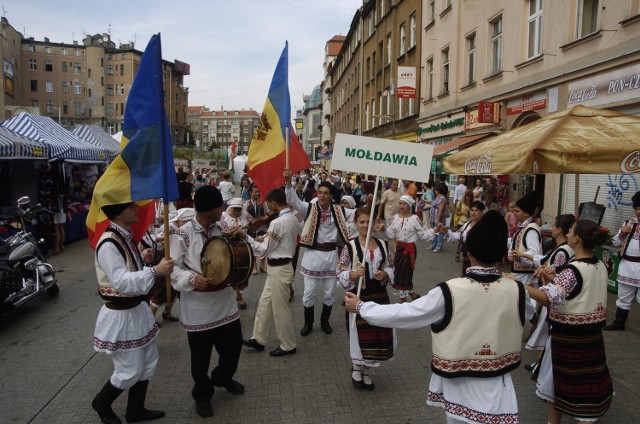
227	261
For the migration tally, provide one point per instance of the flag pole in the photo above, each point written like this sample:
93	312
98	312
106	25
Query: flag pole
352	316
167	253
286	147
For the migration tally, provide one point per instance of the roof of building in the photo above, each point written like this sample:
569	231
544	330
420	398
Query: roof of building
335	44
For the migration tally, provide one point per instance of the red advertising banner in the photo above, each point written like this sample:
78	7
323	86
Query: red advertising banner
406	82
486	112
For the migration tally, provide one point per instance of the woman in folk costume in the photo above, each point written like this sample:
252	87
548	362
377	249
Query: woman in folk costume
405	228
475	344
548	264
476	209
368	344
235	217
573	376
628	240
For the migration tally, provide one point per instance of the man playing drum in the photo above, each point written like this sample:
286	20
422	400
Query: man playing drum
208	312
278	245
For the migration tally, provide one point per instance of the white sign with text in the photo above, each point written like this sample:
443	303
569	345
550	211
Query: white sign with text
379	156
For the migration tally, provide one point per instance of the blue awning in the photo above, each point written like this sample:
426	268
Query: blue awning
62	143
98	137
15	146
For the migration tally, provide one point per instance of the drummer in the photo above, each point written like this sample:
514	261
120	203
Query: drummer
235	218
208	313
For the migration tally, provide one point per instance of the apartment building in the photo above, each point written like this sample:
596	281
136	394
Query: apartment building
331	51
10	49
85	83
383	45
219	129
527	59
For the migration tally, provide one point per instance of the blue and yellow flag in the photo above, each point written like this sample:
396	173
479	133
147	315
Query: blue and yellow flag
266	159
144	168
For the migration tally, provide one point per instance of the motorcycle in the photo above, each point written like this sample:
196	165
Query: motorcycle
24	271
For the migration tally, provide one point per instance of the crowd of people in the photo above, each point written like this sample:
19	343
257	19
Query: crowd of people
477	320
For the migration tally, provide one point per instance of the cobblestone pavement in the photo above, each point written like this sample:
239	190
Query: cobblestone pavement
49	372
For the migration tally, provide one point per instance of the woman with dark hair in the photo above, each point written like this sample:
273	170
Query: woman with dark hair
476	210
368	344
548	264
573	377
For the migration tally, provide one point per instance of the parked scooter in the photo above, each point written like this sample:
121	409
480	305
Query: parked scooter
24	271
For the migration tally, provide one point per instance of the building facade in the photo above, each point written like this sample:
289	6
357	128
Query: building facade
529	59
219	129
82	83
331	51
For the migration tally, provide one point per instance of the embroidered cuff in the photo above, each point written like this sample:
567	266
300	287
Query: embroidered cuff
154	272
358	306
192	279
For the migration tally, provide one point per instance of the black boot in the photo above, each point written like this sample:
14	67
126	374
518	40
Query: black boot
308	321
324	319
135	405
618	322
102	403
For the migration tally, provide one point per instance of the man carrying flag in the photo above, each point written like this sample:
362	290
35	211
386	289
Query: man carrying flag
125	327
275	146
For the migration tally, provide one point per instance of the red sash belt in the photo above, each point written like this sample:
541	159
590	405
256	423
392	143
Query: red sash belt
408	249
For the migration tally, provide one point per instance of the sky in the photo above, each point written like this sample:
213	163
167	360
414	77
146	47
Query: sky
233	46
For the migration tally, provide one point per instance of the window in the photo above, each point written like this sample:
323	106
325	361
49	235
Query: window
445	71
496	45
123	56
110	129
33	64
370	24
121	89
77	108
411	106
534	47
368	68
403	38
122	69
34	85
34	103
412	29
77	52
431	11
63	51
88	73
446	4
64	67
389	49
471	59
77	88
109	69
65	107
380	103
89	93
430	78
50	107
48	66
588	17
65	87
48	86
32	48
109	109
77	68
109	89
47	49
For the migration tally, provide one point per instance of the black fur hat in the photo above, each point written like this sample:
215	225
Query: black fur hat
487	239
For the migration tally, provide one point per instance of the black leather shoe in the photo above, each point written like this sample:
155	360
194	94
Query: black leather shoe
232	386
326	327
530	367
143	415
281	352
253	343
306	329
204	409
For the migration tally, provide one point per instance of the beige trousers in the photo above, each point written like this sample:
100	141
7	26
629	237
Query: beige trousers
273	307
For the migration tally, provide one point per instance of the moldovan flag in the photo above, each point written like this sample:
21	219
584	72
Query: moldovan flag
144	168
266	161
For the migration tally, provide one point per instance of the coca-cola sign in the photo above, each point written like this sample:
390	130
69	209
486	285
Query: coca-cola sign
631	163
610	87
479	164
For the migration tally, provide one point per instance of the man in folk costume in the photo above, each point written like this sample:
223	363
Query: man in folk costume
628	240
209	313
475	344
527	240
278	246
125	328
326	228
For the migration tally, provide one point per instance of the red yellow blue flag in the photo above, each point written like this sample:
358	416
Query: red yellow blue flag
144	168
266	160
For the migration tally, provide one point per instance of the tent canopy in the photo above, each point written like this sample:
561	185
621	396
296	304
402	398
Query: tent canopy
15	146
98	137
581	140
62	143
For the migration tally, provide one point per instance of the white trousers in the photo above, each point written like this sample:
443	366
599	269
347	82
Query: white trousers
134	366
626	293
311	285
273	308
